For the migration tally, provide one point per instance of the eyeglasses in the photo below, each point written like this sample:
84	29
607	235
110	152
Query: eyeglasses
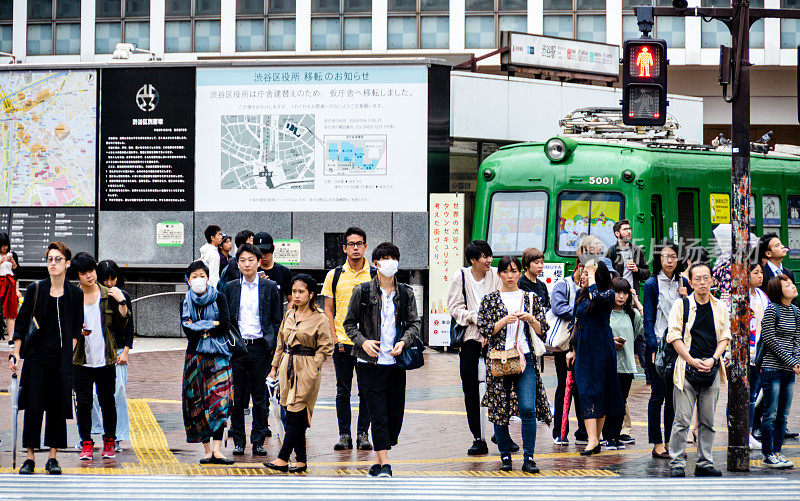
353	245
669	257
55	259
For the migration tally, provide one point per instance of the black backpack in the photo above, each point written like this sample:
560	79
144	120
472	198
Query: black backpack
337	272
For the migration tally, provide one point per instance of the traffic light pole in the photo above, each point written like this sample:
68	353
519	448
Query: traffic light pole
738	18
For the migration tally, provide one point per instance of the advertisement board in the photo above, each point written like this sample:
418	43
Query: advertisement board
446	257
563	54
307	139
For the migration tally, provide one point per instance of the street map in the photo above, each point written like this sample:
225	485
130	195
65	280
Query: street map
267	152
48	135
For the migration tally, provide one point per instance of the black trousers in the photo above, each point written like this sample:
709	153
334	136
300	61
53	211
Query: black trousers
344	363
84	378
216	434
613	425
295	437
43	400
660	394
249	380
385	388
469	357
560	360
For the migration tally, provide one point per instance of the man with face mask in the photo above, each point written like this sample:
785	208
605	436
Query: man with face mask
381	321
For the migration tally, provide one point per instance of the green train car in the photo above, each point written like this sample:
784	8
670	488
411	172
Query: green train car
550	194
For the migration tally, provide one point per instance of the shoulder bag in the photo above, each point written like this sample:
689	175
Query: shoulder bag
411	357
457	330
507	362
558	332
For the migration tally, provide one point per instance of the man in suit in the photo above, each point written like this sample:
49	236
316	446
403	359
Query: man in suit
255	309
771	252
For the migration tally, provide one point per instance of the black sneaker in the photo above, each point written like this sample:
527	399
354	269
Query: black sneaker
581	440
345	443
529	466
707	471
514	446
258	450
677	472
627	439
362	442
386	471
52	467
28	467
267	432
506	466
478	448
374	470
791	434
238	450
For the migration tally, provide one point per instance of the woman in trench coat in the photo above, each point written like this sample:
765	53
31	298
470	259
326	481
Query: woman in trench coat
304	342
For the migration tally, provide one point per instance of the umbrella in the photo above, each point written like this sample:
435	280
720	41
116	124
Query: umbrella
567	402
273	390
481	393
13	391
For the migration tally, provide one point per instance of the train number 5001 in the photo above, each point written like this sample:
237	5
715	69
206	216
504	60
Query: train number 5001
601	180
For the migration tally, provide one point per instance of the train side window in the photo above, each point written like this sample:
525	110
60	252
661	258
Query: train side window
517	220
771	214
587	213
657	218
687	216
793	230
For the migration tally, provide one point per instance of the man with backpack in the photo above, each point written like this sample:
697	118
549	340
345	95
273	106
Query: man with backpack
337	290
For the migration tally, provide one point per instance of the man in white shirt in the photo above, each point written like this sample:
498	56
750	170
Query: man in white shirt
255	310
209	253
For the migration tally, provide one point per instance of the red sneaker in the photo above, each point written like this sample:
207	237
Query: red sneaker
87	449
108	448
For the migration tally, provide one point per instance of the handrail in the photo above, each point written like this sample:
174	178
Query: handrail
157	294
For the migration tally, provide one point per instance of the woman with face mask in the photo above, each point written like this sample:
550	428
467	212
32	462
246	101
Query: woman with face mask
304	343
207	379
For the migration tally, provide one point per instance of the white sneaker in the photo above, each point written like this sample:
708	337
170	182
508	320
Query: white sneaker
772	461
785	461
754	444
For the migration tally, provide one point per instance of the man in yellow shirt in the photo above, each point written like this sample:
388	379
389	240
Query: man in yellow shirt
337	289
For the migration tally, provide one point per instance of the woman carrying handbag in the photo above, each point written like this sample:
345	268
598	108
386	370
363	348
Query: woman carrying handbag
508	319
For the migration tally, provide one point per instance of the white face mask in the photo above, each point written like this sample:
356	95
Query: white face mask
388	267
198	285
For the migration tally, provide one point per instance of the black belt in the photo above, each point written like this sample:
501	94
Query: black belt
299	350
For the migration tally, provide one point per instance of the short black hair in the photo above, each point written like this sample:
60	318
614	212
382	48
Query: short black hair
211	230
196	265
5	241
619	224
83	262
242	237
763	245
667	244
384	250
506	262
355	230
245	247
109	269
476	250
697	265
311	285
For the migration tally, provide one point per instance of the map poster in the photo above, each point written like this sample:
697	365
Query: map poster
48	135
147	139
33	228
446	258
308	139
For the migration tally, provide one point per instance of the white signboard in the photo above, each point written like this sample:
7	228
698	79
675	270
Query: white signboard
309	139
551	273
560	54
445	259
287	252
169	234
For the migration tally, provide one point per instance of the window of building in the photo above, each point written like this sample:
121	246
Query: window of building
517	220
6	28
716	33
121	21
580	19
341	24
54	27
192	26
418	24
265	25
671	29
487	18
790	28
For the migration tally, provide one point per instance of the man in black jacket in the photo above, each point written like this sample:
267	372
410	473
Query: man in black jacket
628	259
255	311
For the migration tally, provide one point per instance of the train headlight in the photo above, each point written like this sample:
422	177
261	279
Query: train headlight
488	174
558	149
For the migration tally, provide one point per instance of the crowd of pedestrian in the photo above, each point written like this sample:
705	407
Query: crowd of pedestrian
249	321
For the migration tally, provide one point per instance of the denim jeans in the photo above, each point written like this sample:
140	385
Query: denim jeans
525	386
778	386
661	395
755	384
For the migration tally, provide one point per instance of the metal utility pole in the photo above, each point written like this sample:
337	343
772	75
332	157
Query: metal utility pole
738	18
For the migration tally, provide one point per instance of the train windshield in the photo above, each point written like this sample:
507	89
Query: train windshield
517	220
587	213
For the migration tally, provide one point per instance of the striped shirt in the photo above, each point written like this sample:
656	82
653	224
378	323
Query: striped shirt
781	341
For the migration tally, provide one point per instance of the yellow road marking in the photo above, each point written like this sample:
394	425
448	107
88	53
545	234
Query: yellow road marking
148	439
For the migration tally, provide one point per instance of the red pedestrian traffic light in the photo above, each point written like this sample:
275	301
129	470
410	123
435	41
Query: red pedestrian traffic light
644	82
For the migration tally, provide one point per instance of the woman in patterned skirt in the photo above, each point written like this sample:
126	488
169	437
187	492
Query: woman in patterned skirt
207	380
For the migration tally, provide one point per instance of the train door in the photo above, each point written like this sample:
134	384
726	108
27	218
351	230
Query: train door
656	218
688	216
